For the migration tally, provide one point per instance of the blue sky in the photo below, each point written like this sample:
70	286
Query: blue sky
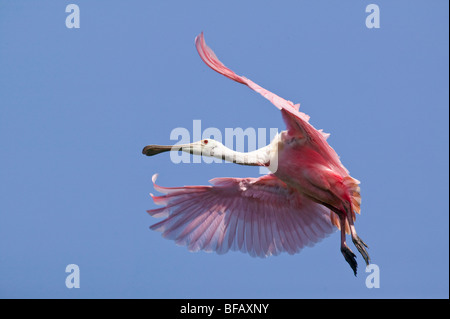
78	105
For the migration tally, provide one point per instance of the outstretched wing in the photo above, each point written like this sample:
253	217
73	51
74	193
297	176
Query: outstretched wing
260	216
297	122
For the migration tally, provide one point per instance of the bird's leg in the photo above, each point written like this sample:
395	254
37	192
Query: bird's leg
357	241
349	256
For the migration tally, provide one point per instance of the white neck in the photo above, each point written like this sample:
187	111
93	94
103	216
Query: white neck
264	156
259	157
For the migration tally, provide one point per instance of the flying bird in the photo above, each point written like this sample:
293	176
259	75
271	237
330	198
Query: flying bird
306	196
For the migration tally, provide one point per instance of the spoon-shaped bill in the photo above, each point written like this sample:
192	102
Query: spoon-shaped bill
151	150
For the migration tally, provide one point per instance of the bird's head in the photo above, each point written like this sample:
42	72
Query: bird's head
205	147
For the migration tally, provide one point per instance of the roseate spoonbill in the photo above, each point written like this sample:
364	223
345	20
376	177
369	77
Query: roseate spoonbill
307	193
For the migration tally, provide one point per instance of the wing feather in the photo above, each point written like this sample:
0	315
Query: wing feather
259	216
297	122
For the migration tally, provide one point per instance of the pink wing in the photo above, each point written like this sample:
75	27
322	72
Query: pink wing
260	216
296	121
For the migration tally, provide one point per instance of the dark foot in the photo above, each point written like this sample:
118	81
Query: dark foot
350	257
360	246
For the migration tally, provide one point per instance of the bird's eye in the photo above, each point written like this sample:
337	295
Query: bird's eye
205	141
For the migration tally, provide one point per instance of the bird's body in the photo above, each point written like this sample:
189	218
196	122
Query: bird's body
307	193
307	170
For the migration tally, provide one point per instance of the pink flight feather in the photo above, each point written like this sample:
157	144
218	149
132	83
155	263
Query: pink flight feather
260	216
